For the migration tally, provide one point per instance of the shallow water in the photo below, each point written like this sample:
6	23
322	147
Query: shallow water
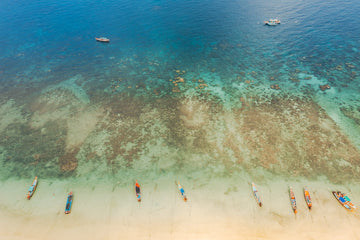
184	88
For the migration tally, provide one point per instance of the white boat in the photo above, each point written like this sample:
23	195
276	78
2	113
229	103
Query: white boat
272	22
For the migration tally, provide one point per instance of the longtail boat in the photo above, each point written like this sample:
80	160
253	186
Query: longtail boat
344	200
307	198
182	191
32	188
292	200
69	203
137	191
255	191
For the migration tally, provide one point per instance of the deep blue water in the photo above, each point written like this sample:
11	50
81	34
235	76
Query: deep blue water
53	40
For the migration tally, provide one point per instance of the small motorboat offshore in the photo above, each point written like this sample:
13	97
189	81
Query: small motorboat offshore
292	200
344	200
307	198
102	39
182	191
272	22
137	191
32	188
69	203
255	191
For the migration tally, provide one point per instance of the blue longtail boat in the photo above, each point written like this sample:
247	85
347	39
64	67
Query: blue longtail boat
69	203
344	200
32	188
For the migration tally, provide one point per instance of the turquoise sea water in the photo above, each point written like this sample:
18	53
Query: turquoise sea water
168	92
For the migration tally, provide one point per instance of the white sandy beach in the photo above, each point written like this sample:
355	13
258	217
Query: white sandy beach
219	209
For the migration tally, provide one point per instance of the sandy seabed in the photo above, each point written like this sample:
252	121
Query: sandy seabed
222	208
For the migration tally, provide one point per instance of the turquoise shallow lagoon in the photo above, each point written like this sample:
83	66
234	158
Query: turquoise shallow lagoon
198	91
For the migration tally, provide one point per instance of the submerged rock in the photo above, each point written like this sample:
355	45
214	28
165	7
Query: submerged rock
325	87
339	68
275	86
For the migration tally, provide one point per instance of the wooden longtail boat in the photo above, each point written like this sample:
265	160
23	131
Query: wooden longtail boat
182	192
69	203
344	200
137	191
307	198
255	191
32	188
292	200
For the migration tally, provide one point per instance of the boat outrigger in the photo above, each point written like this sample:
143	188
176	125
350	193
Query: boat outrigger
182	191
293	200
137	191
69	203
102	39
32	188
344	200
307	198
272	22
255	191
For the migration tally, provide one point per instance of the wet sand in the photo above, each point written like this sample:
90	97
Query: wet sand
221	208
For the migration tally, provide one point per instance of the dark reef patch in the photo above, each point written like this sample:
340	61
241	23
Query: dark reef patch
31	152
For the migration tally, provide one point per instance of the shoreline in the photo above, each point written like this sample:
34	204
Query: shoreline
223	208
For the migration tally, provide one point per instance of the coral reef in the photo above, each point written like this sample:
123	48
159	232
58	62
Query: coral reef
193	131
275	86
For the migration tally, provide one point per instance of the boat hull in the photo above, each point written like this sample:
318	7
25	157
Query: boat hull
292	200
255	192
138	191
69	203
32	188
342	200
104	40
182	191
272	22
307	198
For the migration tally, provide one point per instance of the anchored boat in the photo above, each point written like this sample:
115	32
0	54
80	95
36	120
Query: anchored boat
272	22
32	188
255	191
344	200
292	200
102	39
69	203
182	191
307	198
137	191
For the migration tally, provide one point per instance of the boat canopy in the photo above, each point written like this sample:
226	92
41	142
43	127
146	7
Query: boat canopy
347	198
348	207
342	199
